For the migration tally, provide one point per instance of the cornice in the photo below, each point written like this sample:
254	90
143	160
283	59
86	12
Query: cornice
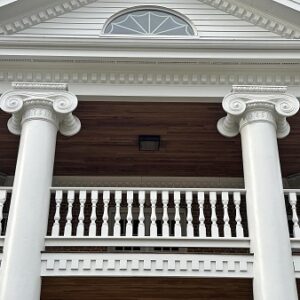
41	15
256	17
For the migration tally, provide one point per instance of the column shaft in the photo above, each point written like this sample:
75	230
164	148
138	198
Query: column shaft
27	223
274	277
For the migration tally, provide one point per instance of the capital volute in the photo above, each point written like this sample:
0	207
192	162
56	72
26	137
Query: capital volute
41	101
248	104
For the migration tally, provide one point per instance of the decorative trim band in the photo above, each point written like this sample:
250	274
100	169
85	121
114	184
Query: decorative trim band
39	86
150	265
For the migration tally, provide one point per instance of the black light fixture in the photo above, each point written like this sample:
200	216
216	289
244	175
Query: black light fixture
149	142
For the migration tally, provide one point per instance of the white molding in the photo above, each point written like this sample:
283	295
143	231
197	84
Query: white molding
183	242
150	265
256	17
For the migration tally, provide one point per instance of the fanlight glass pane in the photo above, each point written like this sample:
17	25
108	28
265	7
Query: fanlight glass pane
149	22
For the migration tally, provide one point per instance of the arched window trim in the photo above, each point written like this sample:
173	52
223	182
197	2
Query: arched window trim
150	7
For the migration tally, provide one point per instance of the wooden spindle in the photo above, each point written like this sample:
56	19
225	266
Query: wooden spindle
189	216
68	227
153	226
214	219
93	226
177	229
225	201
165	217
56	225
3	195
293	203
141	227
202	227
238	217
129	227
80	227
117	225
104	227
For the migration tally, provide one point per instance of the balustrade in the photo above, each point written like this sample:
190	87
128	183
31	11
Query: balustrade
147	212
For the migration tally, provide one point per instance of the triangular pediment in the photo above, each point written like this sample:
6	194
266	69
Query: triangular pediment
211	19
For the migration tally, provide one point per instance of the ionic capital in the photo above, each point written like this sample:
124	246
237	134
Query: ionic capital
247	104
41	101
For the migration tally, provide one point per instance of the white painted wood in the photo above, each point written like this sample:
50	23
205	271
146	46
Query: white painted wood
141	227
80	226
3	195
214	225
153	225
117	225
129	226
89	20
69	217
225	201
93	227
202	226
189	216
293	203
177	226
56	225
104	227
165	217
238	217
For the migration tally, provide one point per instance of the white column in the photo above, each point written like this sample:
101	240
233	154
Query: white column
259	114
38	111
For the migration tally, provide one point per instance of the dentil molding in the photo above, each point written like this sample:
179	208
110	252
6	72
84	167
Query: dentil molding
248	104
41	101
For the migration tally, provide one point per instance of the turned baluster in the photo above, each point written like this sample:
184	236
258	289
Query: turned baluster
104	227
129	227
189	216
293	203
177	229
165	217
117	225
80	227
225	201
68	227
153	226
214	225
141	227
93	227
202	227
238	217
3	195
56	226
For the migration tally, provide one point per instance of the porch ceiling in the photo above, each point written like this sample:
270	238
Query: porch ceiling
107	145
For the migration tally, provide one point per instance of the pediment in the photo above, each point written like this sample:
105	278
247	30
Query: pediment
210	18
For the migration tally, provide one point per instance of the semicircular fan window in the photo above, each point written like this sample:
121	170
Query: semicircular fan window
149	22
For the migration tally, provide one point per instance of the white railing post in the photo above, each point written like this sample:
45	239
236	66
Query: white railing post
238	217
293	203
3	195
56	225
129	227
117	225
177	229
165	217
141	227
93	227
68	226
214	225
189	216
202	227
80	226
104	227
153	226
225	201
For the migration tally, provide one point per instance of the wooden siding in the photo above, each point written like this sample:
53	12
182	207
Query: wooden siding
146	289
88	21
190	144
